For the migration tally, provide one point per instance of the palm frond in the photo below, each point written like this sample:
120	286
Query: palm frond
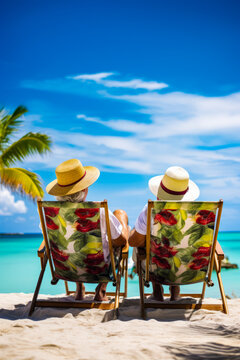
10	123
23	181
29	144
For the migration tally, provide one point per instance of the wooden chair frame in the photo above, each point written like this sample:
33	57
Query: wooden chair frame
215	261
45	255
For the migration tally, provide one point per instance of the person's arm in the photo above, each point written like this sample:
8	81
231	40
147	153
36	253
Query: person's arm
122	217
136	239
138	234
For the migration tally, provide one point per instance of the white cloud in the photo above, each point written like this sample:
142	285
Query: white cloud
87	118
183	129
8	205
135	84
200	133
181	114
130	84
93	77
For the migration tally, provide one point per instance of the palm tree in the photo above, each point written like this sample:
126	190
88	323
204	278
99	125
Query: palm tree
16	178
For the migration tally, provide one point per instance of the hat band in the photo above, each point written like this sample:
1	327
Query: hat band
173	192
74	181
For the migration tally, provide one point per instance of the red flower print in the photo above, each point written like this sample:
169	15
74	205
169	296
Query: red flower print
51	211
198	263
94	259
59	255
53	244
86	225
162	263
60	265
50	224
202	251
86	213
162	251
165	217
205	217
96	270
166	242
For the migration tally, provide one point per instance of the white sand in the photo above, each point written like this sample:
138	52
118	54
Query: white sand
92	334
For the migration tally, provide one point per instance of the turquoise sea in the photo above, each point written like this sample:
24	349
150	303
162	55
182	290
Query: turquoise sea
20	267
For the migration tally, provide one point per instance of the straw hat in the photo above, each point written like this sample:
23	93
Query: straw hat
174	185
72	177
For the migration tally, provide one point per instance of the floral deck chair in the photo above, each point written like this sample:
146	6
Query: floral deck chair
181	249
73	246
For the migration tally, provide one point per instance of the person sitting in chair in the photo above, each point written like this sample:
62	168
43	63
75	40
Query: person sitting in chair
173	185
72	183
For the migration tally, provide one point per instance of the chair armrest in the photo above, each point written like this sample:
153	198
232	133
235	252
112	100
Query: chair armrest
41	249
125	249
219	251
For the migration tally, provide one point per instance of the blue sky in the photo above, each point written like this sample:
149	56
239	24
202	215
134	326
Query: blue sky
131	87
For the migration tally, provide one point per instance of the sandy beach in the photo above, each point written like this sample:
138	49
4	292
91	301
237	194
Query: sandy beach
93	334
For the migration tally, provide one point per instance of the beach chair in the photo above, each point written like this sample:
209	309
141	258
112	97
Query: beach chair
181	249
73	246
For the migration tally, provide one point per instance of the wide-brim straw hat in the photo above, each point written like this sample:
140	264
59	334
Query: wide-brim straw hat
72	177
174	185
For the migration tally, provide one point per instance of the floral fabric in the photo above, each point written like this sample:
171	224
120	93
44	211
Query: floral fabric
181	241
74	237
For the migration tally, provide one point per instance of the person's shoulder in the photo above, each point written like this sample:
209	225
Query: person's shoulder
145	206
144	209
141	222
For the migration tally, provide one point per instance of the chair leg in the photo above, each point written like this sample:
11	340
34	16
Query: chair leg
126	278
123	268
35	295
117	293
118	286
220	283
66	287
203	290
141	288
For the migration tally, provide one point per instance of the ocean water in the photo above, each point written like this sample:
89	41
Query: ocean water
20	267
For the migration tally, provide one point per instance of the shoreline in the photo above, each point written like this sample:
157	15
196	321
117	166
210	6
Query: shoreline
38	234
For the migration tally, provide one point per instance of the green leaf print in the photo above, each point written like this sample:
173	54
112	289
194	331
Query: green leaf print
91	248
195	207
78	236
185	255
187	276
70	216
89	205
172	276
96	232
69	275
174	267
158	206
176	237
200	276
183	214
58	239
77	259
60	222
79	244
196	231
177	263
71	265
164	231
205	240
94	218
